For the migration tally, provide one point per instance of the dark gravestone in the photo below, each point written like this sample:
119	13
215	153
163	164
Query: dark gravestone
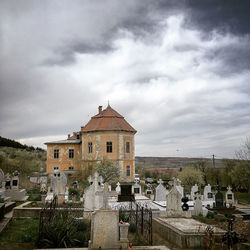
126	193
210	195
136	190
229	196
219	199
7	184
14	183
149	191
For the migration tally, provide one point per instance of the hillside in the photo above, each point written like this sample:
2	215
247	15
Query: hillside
5	142
16	156
171	162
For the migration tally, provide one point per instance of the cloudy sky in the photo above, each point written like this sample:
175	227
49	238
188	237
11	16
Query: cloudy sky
178	71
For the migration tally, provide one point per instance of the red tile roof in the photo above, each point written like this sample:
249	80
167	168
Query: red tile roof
107	119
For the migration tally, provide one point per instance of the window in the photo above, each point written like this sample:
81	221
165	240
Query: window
128	170
56	153
71	168
71	153
77	136
56	168
127	147
90	147
109	146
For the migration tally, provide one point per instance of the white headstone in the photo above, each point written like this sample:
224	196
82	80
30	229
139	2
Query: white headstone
94	194
58	182
174	203
160	192
194	190
229	196
179	187
207	194
7	181
136	188
197	204
118	188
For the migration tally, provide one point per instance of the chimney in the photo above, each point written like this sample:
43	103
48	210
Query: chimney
100	109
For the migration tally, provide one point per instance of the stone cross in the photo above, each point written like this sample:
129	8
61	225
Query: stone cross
118	188
160	181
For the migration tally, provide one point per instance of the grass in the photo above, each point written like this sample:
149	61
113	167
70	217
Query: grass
242	197
20	234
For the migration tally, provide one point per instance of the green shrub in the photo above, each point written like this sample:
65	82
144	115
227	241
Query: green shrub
210	215
73	191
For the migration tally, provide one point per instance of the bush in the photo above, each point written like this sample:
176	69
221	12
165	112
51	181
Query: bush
73	191
210	215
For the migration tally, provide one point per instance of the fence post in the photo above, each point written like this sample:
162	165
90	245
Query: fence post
142	220
151	227
136	216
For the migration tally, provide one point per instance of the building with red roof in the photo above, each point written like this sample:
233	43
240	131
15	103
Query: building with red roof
106	136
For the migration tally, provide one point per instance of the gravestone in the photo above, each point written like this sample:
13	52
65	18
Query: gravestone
58	187
229	196
75	185
7	181
2	182
219	202
118	188
58	182
208	195
12	188
174	204
94	194
15	180
126	193
160	192
197	204
194	190
105	229
136	188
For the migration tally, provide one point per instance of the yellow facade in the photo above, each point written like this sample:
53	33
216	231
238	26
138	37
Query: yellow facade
92	147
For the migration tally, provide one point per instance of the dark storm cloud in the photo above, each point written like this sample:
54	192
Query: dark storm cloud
234	57
222	15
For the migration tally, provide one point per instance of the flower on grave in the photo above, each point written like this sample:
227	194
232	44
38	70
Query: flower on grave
121	222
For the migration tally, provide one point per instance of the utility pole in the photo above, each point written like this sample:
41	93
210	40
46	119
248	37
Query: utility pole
213	161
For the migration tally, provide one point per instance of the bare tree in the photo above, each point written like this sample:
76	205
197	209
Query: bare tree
244	152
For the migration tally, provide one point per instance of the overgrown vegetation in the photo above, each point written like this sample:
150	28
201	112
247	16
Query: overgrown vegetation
24	161
64	230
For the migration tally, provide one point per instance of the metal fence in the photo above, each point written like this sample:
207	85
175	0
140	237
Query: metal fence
139	218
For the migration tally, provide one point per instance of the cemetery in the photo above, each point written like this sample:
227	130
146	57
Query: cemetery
134	214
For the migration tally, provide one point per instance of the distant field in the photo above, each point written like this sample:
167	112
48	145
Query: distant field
171	162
